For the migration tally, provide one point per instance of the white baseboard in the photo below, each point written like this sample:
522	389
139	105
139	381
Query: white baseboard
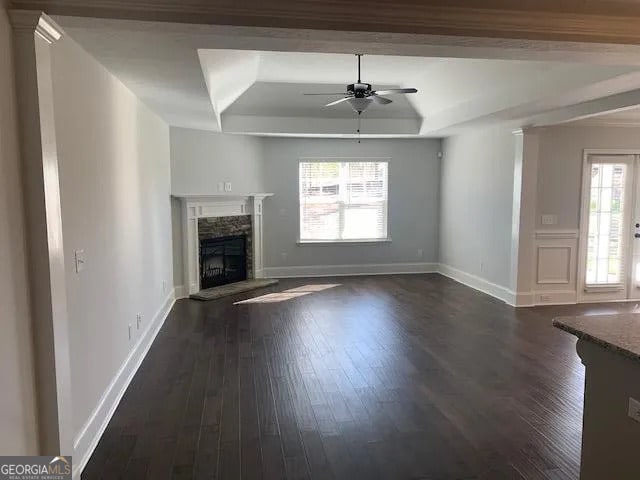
85	442
180	292
523	299
480	284
555	297
349	270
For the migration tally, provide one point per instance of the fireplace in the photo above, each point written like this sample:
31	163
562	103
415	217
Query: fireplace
223	260
216	216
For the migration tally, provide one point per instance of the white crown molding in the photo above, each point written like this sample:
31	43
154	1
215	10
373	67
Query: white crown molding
557	234
37	22
604	123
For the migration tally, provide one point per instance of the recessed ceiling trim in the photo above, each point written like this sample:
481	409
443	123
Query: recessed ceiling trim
319	126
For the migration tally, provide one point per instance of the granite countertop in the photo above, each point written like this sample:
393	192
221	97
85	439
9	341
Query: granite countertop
619	333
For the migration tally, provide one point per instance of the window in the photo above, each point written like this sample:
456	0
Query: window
343	200
605	233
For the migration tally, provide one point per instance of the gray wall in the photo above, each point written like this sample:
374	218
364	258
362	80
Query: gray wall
414	176
113	156
200	160
560	160
476	203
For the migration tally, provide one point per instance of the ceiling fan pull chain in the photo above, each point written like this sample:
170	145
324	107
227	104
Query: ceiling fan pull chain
359	113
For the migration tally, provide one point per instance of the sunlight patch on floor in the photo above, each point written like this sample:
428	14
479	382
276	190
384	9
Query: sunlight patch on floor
289	294
314	288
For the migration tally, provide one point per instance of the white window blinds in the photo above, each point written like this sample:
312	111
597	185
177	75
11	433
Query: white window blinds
343	200
606	233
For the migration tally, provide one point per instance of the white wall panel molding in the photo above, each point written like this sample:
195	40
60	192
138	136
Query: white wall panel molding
554	264
557	234
556	253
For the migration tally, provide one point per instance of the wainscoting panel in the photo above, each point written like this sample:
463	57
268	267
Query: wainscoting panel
554	265
556	253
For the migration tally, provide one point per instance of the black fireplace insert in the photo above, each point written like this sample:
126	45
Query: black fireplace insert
222	260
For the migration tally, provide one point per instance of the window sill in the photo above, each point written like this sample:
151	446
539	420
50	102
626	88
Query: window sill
345	242
604	288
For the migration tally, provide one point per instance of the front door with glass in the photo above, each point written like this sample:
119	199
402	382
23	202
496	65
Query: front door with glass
608	252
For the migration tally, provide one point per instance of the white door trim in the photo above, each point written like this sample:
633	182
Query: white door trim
584	218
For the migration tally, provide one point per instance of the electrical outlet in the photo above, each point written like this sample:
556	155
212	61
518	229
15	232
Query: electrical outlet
227	186
284	255
164	287
549	219
419	253
138	321
634	409
482	266
220	186
545	298
129	331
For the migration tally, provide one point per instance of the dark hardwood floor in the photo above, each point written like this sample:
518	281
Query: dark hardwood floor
389	377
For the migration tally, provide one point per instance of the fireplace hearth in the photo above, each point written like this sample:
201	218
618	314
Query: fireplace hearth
223	260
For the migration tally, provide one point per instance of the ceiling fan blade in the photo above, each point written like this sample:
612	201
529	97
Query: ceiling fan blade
394	90
336	93
337	101
381	100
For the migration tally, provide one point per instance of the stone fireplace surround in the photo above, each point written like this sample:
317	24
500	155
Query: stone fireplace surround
205	212
216	227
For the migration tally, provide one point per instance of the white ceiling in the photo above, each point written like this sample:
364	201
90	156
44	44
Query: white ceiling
210	78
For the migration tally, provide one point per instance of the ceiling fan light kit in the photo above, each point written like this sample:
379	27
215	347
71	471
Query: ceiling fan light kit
360	95
360	104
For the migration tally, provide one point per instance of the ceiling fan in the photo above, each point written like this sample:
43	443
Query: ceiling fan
360	96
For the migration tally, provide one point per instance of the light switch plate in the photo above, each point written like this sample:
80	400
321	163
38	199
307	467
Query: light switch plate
227	186
80	260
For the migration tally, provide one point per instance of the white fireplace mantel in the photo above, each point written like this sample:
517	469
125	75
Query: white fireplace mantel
203	206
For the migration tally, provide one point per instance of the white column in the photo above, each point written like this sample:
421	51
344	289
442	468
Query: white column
524	216
256	219
190	247
34	37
